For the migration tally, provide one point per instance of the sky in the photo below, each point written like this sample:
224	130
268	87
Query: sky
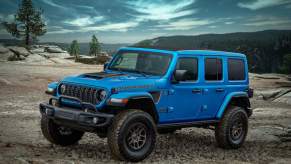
130	21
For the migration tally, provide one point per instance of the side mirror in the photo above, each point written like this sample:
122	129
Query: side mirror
180	75
105	65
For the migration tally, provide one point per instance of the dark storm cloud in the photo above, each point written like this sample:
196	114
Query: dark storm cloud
134	20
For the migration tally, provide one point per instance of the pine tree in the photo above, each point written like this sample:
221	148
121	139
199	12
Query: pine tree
74	49
94	46
286	68
27	24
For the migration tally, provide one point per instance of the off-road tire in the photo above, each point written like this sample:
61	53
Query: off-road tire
166	131
51	132
224	130
120	129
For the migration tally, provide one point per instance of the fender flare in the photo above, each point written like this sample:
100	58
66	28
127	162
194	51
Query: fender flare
227	100
135	99
52	88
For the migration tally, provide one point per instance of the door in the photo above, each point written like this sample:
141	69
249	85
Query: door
214	87
185	95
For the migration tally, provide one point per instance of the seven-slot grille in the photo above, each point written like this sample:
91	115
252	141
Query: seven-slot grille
85	94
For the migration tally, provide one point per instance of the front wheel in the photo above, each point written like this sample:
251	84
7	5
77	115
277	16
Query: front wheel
58	134
232	129
132	135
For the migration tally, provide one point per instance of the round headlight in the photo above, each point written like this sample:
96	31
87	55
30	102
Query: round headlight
102	94
63	88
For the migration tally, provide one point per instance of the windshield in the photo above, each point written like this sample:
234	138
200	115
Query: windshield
148	63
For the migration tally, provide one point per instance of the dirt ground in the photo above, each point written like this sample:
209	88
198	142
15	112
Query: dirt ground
22	89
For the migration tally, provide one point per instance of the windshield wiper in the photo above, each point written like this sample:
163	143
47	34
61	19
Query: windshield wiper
140	72
132	71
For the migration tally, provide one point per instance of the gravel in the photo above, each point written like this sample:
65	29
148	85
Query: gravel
21	141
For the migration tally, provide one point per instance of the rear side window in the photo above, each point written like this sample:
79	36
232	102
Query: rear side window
236	69
189	64
213	69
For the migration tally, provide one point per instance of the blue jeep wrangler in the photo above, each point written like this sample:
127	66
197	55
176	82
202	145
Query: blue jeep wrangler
142	92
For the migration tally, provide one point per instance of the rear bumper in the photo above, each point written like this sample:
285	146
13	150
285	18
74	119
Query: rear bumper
76	118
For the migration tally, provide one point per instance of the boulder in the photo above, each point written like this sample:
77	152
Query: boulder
271	93
35	58
268	76
62	61
284	83
5	53
286	98
3	49
19	51
101	59
6	56
55	55
267	94
54	49
15	57
37	50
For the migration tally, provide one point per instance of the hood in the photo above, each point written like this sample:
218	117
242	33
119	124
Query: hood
119	81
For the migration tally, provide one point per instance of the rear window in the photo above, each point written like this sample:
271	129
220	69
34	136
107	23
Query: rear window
213	69
236	69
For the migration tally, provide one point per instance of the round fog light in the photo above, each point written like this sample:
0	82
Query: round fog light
54	102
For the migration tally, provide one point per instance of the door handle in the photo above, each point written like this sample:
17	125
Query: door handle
219	90
196	90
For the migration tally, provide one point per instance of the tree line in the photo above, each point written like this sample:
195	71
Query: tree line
266	51
95	48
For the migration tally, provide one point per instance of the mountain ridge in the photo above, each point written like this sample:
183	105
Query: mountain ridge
191	41
266	50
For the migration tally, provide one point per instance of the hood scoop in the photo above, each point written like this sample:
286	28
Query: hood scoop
100	75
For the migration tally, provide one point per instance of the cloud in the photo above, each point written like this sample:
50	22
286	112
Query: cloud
228	23
212	26
259	4
53	4
185	24
84	21
7	18
268	21
161	10
120	27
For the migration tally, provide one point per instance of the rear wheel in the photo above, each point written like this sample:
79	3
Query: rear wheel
58	134
233	128
132	135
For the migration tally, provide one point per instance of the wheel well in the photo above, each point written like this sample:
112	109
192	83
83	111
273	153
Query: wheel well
243	102
145	104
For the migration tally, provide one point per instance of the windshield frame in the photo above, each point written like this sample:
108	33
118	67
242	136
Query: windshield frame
143	52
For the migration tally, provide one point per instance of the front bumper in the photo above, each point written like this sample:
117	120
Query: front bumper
75	118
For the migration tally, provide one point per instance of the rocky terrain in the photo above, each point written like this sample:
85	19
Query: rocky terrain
46	55
37	54
22	89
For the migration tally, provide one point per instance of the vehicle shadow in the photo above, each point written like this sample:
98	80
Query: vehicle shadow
188	145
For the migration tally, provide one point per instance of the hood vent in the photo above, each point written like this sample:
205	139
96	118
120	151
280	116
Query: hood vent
100	75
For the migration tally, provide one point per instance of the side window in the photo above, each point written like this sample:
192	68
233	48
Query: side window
189	64
236	69
213	69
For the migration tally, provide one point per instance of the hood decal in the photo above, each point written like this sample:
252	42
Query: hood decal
122	88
